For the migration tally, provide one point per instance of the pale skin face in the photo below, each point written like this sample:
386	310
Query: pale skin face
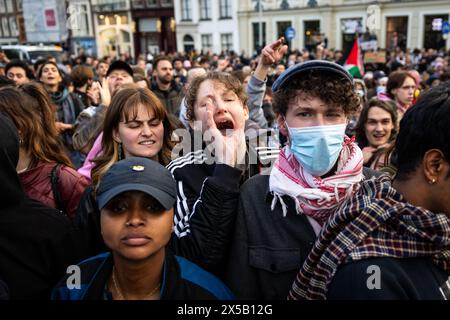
50	76
405	94
117	78
18	75
378	127
164	71
102	69
142	136
307	111
135	226
222	117
227	109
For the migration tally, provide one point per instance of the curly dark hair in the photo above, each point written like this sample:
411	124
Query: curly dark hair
229	81
333	89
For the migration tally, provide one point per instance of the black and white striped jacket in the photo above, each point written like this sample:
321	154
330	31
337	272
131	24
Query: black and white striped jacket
207	199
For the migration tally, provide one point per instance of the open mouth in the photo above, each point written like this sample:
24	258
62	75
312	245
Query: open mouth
224	125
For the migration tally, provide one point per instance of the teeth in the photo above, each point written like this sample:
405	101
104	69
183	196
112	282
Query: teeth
147	142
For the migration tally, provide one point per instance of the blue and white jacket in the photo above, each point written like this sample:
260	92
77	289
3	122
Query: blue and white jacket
182	280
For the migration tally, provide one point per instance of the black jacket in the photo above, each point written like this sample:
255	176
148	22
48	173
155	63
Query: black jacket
267	249
37	243
206	207
170	99
399	279
182	280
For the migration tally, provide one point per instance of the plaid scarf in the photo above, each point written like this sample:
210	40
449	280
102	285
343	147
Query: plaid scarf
316	197
377	222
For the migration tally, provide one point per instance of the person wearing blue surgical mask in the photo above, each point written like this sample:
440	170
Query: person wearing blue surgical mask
281	214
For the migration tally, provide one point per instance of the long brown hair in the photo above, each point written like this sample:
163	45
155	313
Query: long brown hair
31	112
124	106
360	129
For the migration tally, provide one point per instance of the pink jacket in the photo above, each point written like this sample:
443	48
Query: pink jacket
86	169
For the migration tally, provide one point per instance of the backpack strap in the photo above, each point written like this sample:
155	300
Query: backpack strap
55	188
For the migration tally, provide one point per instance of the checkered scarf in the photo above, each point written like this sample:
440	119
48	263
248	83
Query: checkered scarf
377	222
316	197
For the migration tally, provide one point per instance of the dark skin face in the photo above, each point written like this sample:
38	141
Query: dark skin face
429	186
136	228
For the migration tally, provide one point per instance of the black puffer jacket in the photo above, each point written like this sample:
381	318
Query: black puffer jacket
37	243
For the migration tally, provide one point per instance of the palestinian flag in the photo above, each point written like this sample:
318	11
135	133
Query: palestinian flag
354	63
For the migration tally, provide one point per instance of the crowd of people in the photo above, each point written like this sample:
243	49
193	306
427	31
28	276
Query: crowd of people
204	176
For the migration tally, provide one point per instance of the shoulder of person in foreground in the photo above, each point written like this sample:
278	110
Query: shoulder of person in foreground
387	279
75	284
199	277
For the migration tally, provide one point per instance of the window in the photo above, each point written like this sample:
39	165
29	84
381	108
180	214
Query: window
152	3
206	41
256	41
5	26
396	32
433	36
166	3
19	5
138	4
205	10
312	33
226	40
225	9
9	6
13	26
2	6
186	10
188	42
79	20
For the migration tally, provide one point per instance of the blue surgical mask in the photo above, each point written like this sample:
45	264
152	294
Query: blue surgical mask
317	148
381	89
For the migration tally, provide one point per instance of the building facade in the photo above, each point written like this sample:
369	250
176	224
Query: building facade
12	29
208	25
113	27
406	23
81	26
154	26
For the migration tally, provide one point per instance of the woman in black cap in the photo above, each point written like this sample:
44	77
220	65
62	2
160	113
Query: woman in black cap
136	198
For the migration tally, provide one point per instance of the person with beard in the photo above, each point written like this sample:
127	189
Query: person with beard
37	243
164	86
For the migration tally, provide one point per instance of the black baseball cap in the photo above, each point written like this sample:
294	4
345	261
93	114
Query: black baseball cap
120	65
138	174
317	65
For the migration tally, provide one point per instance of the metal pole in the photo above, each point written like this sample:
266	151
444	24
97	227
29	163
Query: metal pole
260	24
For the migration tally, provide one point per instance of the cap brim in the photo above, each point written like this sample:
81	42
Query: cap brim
316	65
162	197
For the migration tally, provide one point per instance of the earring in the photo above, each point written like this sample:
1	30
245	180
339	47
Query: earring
20	140
120	151
432	181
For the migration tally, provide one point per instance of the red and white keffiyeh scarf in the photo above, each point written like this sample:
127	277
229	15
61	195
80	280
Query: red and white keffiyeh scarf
315	197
